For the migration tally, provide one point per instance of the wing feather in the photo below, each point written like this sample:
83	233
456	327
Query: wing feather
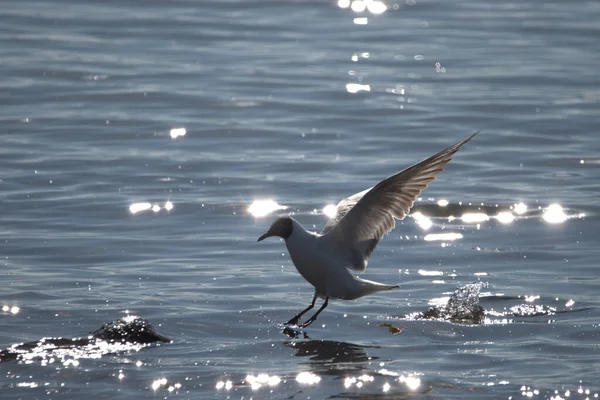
364	218
342	209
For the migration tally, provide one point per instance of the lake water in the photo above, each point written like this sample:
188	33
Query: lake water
302	103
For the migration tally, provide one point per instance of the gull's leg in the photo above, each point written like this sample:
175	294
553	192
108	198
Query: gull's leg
294	321
314	317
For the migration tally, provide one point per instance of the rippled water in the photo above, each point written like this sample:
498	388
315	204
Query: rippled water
136	135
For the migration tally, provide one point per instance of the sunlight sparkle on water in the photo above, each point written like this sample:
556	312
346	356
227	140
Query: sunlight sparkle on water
520	208
256	381
412	382
443	202
387	372
174	387
261	208
531	298
439	302
227	385
421	220
12	310
28	384
474	217
359	6
308	378
424	272
357	87
330	210
176	132
137	207
359	381
72	362
376	7
505	217
555	214
129	318
158	383
450	236
362	21
570	303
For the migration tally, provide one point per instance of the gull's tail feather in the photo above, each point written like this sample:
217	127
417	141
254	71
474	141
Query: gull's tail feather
367	287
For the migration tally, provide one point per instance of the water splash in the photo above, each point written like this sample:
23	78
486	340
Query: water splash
462	306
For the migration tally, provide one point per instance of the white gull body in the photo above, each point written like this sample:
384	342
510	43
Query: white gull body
327	259
319	260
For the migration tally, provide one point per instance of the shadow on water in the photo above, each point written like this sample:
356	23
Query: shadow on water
351	363
130	333
330	357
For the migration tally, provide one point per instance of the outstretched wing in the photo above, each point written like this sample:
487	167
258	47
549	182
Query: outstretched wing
364	218
342	209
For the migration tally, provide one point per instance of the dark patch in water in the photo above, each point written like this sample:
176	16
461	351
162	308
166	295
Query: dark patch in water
394	330
130	333
130	329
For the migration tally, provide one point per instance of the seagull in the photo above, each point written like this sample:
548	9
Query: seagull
328	259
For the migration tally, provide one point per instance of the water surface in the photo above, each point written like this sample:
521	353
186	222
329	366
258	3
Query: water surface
301	103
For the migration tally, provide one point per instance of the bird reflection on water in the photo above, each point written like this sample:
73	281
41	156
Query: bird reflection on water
327	353
352	363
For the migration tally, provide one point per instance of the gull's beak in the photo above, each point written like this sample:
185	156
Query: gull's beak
266	235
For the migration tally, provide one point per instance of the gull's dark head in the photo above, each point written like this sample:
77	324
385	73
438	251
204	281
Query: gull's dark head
282	227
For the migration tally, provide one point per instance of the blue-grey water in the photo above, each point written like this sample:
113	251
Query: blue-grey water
301	103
